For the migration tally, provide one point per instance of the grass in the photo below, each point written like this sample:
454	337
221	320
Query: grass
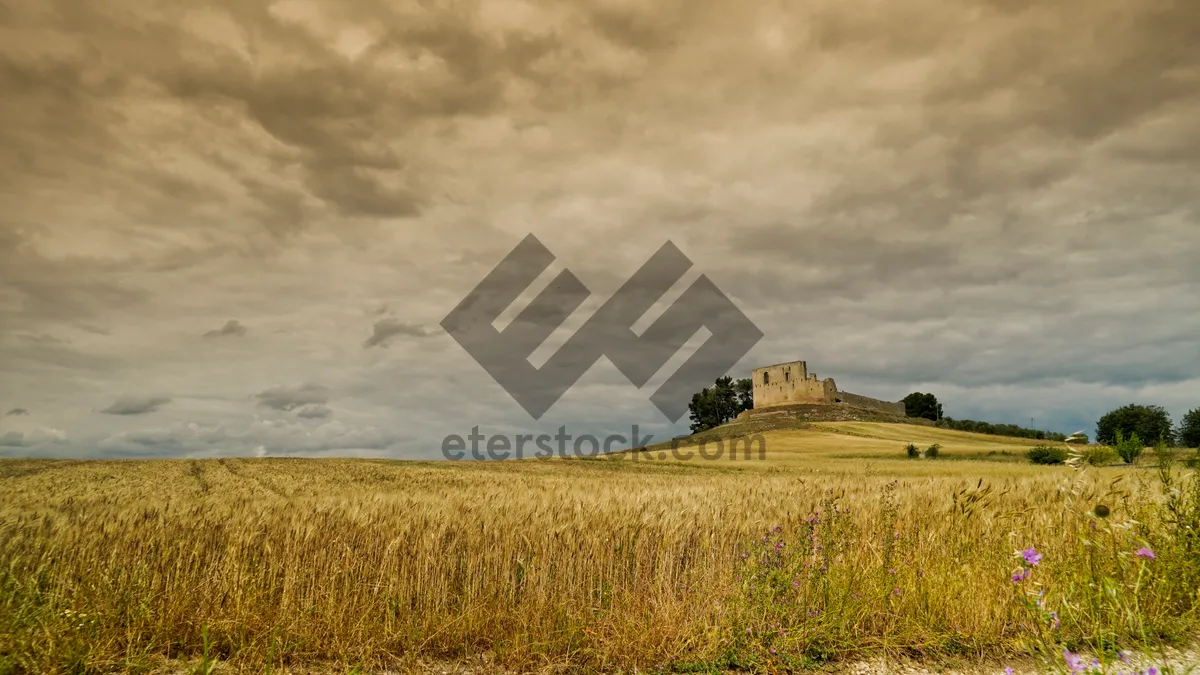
834	546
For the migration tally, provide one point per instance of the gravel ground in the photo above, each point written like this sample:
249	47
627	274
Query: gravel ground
1170	662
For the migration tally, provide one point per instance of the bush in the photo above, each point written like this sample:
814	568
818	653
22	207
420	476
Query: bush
1047	454
1078	439
1095	455
932	451
912	451
1129	449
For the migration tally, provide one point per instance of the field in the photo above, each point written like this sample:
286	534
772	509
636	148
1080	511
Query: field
833	546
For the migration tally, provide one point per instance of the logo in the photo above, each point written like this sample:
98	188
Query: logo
505	354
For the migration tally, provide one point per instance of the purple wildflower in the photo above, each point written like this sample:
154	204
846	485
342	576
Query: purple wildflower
1008	671
1123	656
1152	671
1032	557
1146	553
1074	661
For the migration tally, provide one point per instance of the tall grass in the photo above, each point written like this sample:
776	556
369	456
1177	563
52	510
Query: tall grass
574	564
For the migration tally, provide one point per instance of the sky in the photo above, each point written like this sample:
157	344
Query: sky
234	228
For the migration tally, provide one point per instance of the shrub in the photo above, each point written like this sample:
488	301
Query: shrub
1078	439
1047	454
1095	455
912	451
932	451
1129	449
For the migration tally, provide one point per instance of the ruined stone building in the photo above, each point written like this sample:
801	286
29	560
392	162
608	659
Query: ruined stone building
791	384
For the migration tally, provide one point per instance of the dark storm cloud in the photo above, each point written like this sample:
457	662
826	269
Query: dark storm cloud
290	398
136	405
231	328
985	194
387	329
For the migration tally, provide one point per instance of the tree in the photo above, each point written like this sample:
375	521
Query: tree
1189	429
715	405
1149	422
917	404
745	392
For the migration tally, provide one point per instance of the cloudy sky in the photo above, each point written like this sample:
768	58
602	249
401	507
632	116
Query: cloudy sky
234	228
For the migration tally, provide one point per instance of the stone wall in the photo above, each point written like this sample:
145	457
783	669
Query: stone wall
791	383
857	401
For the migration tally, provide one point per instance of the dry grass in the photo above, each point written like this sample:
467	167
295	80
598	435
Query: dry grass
580	564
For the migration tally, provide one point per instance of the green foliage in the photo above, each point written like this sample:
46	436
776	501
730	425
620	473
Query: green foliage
1128	449
999	429
744	388
921	405
1189	429
1149	422
1077	439
912	451
932	451
716	405
1047	454
1095	455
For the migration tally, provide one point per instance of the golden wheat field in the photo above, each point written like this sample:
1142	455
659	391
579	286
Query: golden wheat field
833	545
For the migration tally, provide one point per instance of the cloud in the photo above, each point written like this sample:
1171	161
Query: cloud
314	412
277	437
33	439
136	405
231	328
386	329
290	398
16	411
993	194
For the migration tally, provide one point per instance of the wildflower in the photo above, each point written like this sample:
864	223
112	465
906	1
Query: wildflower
1032	557
1008	671
1124	657
1074	661
1152	671
1020	576
1146	553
